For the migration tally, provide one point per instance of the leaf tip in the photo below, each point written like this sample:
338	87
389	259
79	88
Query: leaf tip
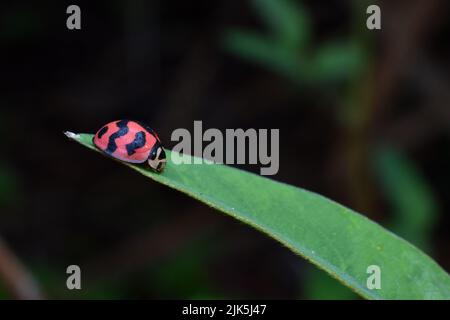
72	135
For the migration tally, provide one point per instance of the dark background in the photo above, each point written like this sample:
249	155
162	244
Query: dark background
368	127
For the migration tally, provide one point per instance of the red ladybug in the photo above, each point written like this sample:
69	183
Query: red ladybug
131	141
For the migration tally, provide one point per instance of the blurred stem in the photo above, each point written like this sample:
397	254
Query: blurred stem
17	279
357	117
357	142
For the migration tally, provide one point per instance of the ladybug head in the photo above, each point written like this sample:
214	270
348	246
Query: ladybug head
157	159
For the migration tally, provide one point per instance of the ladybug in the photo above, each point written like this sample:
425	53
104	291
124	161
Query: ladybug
133	142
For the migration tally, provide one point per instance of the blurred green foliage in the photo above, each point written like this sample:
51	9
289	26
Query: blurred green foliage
288	49
320	286
9	186
3	292
413	204
287	21
185	275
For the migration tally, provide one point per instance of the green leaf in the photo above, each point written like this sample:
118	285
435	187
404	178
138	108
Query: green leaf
334	238
336	61
288	21
263	51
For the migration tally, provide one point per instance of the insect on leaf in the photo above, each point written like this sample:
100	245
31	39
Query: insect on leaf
334	238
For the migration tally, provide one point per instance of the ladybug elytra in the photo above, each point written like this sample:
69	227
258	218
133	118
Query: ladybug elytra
133	142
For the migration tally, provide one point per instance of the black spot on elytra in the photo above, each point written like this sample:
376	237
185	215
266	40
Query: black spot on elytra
123	130
102	132
138	142
149	130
